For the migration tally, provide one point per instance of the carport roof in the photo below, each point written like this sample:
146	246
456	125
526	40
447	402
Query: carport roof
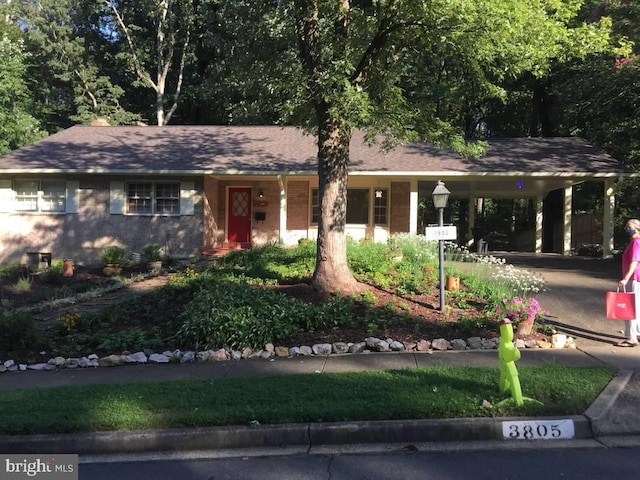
260	150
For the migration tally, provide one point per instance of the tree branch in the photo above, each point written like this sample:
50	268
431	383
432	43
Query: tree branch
142	75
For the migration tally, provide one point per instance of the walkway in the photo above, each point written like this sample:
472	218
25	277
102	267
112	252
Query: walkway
575	294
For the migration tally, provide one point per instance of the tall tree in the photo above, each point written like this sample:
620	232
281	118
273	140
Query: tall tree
17	126
357	54
70	73
169	23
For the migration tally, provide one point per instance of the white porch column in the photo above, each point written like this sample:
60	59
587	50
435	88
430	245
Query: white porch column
413	207
566	230
607	217
471	213
282	229
539	217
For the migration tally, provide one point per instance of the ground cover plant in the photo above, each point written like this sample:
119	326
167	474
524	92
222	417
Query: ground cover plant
249	298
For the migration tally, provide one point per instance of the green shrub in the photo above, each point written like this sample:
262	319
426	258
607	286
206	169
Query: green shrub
152	252
237	316
13	270
112	255
18	333
368	258
51	274
23	284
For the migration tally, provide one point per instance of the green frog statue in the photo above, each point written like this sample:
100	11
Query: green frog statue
509	355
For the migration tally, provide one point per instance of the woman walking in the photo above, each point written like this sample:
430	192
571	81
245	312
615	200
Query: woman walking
631	277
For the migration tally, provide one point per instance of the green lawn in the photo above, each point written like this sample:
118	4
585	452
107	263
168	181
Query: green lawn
433	392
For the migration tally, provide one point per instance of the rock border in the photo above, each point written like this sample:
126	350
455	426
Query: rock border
370	344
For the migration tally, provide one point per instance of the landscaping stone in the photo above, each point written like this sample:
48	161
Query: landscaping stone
474	343
339	347
218	355
440	344
111	361
294	351
158	358
188	357
202	356
558	340
410	346
138	357
321	349
306	351
282	351
370	344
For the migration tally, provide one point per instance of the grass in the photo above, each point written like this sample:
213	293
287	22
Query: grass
432	392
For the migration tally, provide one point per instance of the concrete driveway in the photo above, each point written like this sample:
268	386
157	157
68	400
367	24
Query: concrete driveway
575	294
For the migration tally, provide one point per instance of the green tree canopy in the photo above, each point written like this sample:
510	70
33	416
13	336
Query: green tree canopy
17	126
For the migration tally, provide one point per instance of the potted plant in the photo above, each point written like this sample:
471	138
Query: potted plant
523	312
112	257
154	257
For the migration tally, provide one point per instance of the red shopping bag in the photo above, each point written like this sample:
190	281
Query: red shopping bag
621	305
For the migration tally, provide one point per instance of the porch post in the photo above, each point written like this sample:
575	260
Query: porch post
608	218
413	207
282	229
566	230
472	221
539	217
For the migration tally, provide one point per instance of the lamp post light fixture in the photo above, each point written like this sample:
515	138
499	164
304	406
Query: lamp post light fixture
440	199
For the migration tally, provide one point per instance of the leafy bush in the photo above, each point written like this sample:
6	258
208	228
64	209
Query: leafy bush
271	262
368	259
18	333
112	255
237	316
152	252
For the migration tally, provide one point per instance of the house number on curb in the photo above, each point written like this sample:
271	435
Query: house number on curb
538	430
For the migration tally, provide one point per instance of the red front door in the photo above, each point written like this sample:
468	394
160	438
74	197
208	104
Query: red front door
239	215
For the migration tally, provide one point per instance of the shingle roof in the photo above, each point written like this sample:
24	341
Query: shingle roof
273	149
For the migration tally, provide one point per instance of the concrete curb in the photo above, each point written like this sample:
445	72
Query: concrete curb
307	435
597	412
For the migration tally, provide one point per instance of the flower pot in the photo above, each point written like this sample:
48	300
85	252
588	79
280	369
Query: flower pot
155	266
453	283
525	326
112	270
67	268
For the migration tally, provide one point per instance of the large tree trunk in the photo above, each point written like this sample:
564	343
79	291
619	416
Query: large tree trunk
332	272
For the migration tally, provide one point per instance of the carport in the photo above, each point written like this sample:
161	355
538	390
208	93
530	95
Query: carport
520	168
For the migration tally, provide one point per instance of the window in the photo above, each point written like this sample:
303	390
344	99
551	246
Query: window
40	195
146	198
380	197
357	206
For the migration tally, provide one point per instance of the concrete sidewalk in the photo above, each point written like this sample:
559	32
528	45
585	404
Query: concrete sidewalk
611	420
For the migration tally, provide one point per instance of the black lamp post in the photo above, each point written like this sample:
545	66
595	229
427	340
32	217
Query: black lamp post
440	198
